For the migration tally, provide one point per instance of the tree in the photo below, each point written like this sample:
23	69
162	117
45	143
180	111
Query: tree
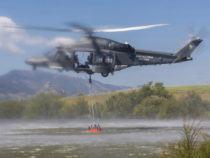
159	90
149	107
79	108
43	106
11	109
191	105
120	105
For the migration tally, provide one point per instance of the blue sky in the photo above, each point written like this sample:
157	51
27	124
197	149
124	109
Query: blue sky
182	16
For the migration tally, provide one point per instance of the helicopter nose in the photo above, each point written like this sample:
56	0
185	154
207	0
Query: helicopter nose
28	61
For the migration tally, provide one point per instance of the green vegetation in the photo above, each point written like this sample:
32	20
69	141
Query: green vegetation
77	109
201	89
11	109
190	146
150	101
43	106
154	101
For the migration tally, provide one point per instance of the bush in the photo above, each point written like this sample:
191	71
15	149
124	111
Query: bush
11	109
204	149
119	105
43	106
191	105
149	108
78	109
189	146
154	101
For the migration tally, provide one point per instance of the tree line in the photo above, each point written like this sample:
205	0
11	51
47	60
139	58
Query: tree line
149	101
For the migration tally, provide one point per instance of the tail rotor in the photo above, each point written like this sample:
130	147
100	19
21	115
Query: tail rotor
202	33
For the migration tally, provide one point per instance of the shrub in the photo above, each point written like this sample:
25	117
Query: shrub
79	108
191	105
189	146
43	106
11	109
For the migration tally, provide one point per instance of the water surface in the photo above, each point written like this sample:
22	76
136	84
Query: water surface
70	138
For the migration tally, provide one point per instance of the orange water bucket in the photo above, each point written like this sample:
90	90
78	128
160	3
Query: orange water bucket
94	131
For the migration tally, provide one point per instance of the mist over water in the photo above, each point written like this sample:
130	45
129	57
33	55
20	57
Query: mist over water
74	132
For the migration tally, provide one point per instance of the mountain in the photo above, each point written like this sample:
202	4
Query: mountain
20	84
51	88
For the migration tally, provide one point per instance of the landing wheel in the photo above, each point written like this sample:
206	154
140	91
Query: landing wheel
104	74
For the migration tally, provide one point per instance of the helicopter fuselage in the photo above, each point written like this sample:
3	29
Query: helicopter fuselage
106	56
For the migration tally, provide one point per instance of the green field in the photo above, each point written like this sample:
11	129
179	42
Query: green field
202	90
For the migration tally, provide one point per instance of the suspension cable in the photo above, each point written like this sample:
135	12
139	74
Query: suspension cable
92	104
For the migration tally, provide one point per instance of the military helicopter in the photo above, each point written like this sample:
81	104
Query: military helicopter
106	56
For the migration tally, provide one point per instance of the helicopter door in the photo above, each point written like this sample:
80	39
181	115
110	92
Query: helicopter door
99	59
108	60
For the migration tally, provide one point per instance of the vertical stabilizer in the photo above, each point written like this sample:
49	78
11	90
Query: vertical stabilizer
185	52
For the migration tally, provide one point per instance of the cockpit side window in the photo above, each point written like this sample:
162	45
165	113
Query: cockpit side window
114	45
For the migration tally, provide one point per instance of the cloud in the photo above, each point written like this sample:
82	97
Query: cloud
15	40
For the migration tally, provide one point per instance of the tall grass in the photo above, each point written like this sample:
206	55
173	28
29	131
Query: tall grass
192	145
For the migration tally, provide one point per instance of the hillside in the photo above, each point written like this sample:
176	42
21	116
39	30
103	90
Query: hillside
202	90
149	101
20	84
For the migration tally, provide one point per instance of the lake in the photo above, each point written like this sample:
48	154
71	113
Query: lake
70	138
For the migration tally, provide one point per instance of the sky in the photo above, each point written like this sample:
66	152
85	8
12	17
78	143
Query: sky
183	16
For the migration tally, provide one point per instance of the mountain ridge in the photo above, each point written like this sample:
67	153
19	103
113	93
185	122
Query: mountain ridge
21	84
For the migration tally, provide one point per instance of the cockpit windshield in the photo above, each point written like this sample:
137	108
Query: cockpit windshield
118	46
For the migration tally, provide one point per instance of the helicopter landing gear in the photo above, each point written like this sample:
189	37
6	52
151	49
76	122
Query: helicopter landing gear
104	74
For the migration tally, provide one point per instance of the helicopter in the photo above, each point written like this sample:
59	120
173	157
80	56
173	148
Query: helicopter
104	55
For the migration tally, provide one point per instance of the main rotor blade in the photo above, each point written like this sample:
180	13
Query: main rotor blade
129	28
81	28
39	28
89	31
